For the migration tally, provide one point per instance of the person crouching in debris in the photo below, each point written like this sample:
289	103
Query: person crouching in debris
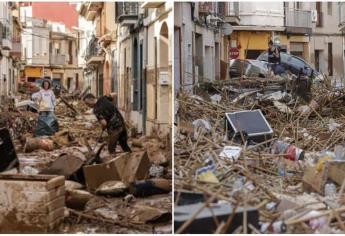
45	98
111	119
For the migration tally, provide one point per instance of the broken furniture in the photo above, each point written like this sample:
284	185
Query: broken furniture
251	125
204	222
31	203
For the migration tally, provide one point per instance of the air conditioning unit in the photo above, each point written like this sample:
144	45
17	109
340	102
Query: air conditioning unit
313	16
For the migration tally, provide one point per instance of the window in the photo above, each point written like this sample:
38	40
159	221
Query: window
298	5
319	14
329	8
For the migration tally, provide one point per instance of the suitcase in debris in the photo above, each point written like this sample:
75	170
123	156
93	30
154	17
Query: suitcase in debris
247	125
8	154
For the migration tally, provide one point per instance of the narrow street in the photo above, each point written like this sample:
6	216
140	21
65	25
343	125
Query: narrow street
81	150
77	140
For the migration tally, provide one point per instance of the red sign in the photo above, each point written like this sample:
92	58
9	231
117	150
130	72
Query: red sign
234	53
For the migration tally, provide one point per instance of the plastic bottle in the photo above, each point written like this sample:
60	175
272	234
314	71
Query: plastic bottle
281	168
330	189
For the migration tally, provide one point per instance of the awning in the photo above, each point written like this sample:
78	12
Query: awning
33	71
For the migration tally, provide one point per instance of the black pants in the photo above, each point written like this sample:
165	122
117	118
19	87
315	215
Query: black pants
118	136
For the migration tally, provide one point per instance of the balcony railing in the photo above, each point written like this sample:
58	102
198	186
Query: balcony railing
93	49
57	60
298	21
16	46
232	14
126	11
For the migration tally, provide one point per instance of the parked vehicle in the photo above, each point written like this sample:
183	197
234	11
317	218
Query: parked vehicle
294	64
250	68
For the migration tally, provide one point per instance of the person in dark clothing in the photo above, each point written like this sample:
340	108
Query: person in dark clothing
111	119
273	56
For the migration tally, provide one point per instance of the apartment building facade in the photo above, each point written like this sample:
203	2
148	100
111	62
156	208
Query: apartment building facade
200	43
9	46
129	54
50	50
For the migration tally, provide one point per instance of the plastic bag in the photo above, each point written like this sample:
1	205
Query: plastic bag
47	125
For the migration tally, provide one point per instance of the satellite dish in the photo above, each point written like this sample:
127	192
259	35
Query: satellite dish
227	29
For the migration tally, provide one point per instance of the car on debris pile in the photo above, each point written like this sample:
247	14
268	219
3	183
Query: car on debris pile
259	67
294	64
250	68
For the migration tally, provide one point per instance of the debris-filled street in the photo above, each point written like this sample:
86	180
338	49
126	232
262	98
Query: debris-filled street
123	193
255	155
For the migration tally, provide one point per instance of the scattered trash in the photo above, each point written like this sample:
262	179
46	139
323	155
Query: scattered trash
32	144
291	152
330	189
332	125
113	188
216	98
231	152
76	198
287	172
28	170
146	214
156	171
204	221
201	127
206	174
150	187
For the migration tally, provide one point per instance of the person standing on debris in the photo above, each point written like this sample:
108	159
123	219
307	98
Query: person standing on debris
273	56
111	119
47	123
45	98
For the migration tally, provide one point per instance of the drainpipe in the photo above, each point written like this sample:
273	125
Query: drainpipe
145	56
343	41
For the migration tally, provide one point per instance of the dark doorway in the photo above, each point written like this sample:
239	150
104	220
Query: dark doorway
330	59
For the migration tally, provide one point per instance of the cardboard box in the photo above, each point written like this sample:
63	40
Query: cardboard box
127	168
332	170
97	174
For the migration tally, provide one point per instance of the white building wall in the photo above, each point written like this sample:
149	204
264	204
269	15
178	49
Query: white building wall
262	13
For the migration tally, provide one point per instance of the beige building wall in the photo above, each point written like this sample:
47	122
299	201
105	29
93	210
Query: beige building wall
159	68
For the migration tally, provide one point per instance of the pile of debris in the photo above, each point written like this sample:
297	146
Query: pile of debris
67	183
260	156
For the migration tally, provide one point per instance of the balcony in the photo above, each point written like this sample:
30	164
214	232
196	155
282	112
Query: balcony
298	21
342	16
57	60
94	53
5	36
16	47
233	14
127	13
92	10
